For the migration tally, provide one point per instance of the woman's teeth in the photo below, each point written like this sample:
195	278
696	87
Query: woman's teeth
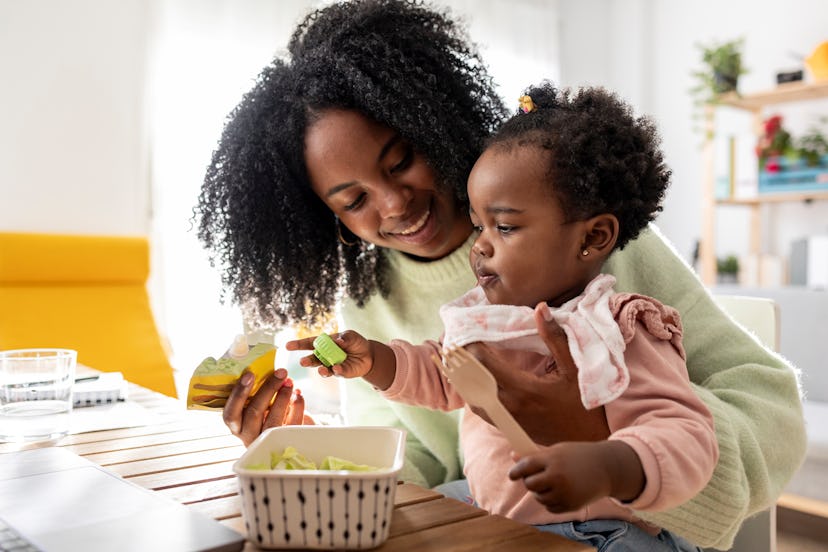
417	225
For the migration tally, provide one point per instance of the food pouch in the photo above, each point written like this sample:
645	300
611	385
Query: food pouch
212	380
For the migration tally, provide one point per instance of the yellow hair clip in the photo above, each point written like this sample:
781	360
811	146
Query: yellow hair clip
526	103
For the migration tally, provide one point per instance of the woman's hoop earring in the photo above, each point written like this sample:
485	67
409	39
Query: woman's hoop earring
339	234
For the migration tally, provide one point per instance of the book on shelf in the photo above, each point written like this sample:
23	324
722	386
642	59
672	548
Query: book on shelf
725	156
736	167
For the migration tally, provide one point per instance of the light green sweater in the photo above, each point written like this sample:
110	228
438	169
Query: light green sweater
752	393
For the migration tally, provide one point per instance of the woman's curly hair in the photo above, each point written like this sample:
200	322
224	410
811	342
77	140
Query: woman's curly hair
602	159
400	63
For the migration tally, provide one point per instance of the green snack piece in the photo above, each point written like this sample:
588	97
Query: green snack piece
327	351
333	463
290	459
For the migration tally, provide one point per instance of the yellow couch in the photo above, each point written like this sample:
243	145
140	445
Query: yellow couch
86	293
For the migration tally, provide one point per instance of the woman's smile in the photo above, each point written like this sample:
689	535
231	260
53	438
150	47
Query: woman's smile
418	224
420	231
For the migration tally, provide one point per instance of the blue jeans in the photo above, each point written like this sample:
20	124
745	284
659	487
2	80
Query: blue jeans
607	535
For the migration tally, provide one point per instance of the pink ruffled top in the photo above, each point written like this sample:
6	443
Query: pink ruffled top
596	340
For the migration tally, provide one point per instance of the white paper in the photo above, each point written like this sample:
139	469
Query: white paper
110	416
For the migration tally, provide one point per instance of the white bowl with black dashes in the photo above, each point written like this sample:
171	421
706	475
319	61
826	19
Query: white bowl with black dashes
317	509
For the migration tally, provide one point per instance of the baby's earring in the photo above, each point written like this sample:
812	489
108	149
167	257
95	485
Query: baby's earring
585	252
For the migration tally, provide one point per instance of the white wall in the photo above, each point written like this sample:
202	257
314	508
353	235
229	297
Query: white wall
517	39
72	127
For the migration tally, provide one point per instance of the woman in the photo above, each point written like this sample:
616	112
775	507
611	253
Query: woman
344	170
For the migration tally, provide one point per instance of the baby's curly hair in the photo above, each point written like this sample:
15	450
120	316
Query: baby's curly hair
602	159
400	63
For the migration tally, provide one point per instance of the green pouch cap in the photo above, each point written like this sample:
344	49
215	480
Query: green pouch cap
327	351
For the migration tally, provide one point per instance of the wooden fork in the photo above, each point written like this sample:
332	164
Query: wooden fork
478	388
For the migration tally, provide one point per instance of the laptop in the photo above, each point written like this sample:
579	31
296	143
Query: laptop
57	501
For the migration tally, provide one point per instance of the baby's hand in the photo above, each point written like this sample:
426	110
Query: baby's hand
563	477
357	363
570	475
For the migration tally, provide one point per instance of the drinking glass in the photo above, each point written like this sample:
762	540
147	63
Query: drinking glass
36	393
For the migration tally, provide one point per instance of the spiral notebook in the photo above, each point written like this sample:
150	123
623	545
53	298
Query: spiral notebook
104	388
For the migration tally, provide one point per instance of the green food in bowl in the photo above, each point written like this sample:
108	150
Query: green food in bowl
292	459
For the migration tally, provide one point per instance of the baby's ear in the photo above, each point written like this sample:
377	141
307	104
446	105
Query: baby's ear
601	235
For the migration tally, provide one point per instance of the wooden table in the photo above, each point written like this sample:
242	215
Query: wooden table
187	456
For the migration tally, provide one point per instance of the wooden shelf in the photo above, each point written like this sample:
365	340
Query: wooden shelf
785	197
755	103
789	92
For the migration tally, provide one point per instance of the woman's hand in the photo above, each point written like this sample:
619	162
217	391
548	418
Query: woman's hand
568	476
544	398
276	403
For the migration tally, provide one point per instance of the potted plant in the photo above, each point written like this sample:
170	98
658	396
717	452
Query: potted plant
721	68
774	142
812	146
727	269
